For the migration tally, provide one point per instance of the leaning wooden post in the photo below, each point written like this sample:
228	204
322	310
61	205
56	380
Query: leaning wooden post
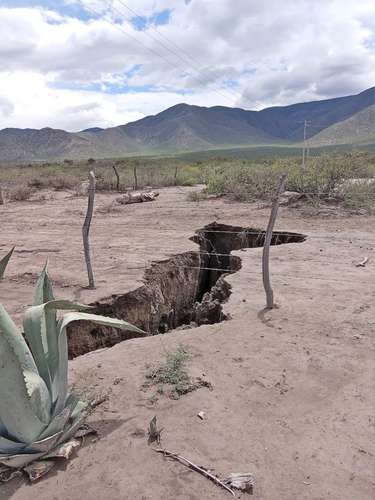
268	240
135	178
86	228
117	178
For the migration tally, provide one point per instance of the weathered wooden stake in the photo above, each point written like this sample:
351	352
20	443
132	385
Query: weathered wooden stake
267	242
2	199
135	178
86	228
175	175
117	178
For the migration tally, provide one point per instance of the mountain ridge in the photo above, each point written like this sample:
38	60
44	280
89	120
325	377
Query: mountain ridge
185	127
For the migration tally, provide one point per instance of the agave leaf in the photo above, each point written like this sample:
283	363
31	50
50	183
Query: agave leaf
62	371
100	320
8	446
21	388
57	424
43	294
51	326
44	445
15	339
20	460
40	329
78	416
43	290
4	262
16	409
35	331
40	397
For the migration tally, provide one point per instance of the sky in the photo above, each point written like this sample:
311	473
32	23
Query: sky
74	64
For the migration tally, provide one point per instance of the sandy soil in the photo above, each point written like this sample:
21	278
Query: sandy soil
293	389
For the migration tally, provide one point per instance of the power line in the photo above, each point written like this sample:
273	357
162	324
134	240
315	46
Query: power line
96	13
194	64
185	61
154	52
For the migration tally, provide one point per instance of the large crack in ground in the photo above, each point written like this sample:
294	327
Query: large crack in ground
186	290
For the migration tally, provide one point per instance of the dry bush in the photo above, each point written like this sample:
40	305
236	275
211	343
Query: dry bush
321	179
63	183
21	193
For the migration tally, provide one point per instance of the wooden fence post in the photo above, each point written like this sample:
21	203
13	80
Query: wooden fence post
135	178
267	242
175	175
86	228
2	199
117	178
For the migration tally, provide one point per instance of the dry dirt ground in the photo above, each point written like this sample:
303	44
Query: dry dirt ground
293	388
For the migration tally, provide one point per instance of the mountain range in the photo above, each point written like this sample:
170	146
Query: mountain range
342	120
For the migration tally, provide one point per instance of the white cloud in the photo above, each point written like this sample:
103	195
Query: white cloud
61	71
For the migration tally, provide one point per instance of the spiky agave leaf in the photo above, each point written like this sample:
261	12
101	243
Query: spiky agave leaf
38	416
4	262
41	332
21	388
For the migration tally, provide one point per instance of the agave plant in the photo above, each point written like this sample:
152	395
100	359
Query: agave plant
37	413
4	262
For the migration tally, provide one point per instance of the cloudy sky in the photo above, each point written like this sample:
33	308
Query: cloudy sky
75	64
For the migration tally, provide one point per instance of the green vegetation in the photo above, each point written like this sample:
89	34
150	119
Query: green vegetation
325	177
172	374
62	176
37	413
172	378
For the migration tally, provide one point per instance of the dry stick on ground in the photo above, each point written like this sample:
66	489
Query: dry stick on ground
191	465
135	178
362	263
86	229
267	242
117	178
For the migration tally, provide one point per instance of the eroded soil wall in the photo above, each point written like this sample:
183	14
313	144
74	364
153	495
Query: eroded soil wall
188	288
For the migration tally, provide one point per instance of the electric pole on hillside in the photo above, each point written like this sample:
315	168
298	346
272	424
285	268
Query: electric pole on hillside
306	124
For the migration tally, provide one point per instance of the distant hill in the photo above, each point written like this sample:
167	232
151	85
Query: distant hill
193	128
94	130
358	129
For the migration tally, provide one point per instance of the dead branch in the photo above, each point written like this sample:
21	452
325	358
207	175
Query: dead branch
362	263
135	187
191	465
268	240
130	198
117	177
86	229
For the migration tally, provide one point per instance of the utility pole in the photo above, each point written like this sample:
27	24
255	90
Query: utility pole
306	124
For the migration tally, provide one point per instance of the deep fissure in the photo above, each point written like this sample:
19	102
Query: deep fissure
188	289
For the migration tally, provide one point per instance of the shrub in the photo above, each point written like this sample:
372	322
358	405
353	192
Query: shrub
21	193
320	179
